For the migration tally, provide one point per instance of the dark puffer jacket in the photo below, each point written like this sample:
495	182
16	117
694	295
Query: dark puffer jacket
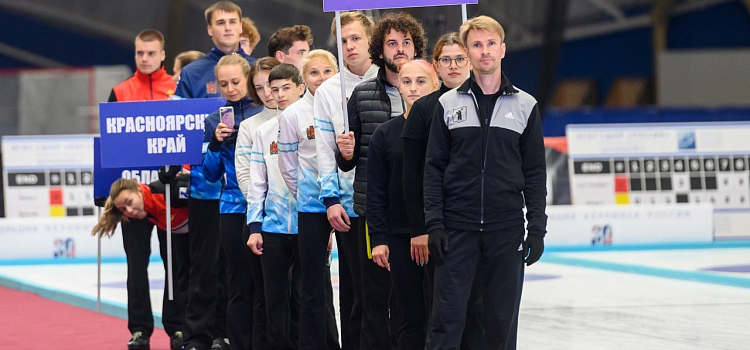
368	107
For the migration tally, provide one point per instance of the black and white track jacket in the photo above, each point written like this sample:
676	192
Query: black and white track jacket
485	161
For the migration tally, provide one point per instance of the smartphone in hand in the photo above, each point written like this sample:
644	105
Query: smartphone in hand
227	116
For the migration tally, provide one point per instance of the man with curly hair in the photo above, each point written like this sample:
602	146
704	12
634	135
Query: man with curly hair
398	38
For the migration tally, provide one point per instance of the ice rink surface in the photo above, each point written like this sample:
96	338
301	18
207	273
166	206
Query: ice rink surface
646	298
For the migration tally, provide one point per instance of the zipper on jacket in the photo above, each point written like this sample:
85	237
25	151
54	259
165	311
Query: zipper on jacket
485	122
484	158
151	85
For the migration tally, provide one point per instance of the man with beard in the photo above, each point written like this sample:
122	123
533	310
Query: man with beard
398	38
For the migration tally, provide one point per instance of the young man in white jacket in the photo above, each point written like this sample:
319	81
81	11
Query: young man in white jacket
272	215
336	187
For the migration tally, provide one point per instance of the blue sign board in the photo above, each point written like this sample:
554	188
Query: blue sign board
153	133
104	177
350	5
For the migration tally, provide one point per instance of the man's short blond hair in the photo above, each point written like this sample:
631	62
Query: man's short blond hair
481	23
352	16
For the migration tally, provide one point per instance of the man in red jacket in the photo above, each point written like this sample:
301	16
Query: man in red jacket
151	82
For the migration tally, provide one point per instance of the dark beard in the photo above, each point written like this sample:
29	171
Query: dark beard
390	65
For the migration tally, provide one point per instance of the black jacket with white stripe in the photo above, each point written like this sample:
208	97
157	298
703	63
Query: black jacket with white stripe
485	161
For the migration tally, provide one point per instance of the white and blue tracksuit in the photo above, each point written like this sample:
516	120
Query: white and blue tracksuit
299	168
271	207
335	186
298	156
244	148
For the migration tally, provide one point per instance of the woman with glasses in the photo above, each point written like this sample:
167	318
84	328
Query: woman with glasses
452	65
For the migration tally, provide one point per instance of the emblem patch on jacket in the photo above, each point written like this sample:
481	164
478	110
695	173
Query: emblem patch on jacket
211	87
310	132
458	115
274	148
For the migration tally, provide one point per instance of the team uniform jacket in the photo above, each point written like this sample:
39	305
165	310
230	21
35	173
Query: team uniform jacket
415	134
271	207
197	80
485	161
218	161
298	161
336	186
368	107
244	147
144	87
386	209
156	207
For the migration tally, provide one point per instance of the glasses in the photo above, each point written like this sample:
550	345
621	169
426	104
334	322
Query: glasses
445	62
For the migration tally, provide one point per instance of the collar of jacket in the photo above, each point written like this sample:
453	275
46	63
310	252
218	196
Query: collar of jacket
245	101
506	86
443	89
156	75
382	78
217	54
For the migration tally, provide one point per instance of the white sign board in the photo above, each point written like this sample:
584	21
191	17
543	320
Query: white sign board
613	225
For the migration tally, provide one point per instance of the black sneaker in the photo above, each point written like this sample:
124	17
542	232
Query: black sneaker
176	342
220	344
138	342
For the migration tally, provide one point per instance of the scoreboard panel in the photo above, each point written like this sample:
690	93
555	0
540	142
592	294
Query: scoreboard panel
719	180
671	163
48	176
665	164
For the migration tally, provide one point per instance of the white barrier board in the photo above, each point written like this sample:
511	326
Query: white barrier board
59	238
581	225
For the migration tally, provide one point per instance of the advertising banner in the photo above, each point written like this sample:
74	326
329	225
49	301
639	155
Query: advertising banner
153	133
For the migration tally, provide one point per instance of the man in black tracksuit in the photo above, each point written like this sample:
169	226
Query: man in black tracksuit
397	39
484	162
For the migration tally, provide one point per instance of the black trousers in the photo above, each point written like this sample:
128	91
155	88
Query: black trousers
317	298
408	287
279	260
240	288
136	239
473	335
350	286
205	316
499	256
259	298
377	301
